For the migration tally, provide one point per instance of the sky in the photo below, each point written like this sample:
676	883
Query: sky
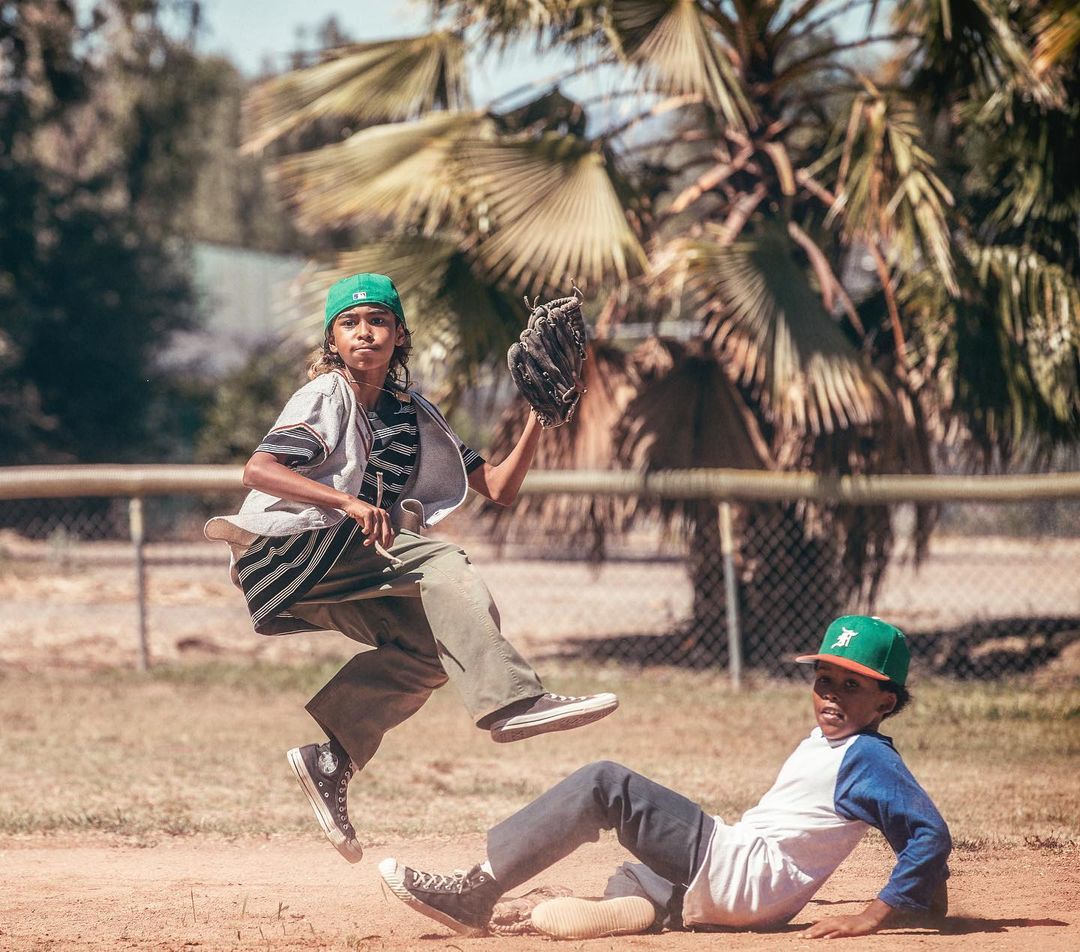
251	31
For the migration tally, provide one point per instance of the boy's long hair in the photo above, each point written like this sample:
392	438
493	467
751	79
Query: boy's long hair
324	360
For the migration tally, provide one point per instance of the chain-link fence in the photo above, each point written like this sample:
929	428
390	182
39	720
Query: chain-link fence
996	591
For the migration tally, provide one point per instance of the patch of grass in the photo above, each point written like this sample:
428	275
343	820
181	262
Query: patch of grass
199	749
256	679
995	702
1052	843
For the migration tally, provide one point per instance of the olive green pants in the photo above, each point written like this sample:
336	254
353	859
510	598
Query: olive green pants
428	620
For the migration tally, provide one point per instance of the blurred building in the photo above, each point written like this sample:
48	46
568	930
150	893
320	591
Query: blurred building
248	299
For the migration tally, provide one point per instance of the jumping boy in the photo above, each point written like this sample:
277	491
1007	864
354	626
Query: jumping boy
698	871
356	467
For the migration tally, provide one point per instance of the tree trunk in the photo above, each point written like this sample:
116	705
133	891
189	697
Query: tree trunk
705	636
790	585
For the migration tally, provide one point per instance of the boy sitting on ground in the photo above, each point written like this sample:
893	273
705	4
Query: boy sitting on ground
758	873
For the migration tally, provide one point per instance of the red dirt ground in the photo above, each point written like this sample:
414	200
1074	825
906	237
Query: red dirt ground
93	893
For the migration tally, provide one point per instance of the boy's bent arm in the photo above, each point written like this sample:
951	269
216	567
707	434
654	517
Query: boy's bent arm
875	786
500	483
872	918
268	474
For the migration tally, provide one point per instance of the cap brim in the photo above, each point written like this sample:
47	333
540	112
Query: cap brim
843	663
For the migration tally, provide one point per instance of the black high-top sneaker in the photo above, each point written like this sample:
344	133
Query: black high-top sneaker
463	901
324	775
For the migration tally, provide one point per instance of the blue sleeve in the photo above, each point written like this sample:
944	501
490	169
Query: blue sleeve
874	785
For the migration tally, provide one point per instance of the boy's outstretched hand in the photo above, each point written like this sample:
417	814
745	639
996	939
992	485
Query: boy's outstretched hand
878	914
872	918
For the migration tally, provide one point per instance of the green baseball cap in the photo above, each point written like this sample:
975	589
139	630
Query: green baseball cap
865	645
375	290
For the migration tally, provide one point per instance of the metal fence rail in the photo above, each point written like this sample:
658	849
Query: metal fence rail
39	482
998	592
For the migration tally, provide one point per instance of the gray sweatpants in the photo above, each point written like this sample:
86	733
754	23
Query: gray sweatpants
662	828
429	619
666	831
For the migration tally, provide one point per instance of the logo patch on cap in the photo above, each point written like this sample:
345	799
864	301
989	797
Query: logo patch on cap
846	634
359	295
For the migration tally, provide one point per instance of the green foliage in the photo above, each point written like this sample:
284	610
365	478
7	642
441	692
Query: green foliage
91	285
246	403
778	331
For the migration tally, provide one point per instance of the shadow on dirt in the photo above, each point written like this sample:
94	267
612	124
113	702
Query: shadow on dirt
968	925
979	649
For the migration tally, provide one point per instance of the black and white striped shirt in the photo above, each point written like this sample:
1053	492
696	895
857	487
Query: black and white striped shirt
393	452
277	571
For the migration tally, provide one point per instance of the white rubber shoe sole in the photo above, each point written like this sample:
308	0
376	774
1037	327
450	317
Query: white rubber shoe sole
570	918
565	717
349	848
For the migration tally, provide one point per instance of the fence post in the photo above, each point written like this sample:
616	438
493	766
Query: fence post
135	524
731	595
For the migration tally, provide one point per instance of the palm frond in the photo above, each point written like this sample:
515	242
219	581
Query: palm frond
676	47
1038	302
1000	360
887	190
399	172
771	325
498	23
549	212
384	81
977	44
688	414
1030	174
1057	31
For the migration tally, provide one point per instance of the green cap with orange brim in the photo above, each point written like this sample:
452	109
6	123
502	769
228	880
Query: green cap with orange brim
865	645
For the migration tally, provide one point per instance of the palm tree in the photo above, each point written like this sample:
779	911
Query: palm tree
825	211
1002	350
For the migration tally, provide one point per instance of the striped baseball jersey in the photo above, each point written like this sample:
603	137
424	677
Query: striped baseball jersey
277	571
764	868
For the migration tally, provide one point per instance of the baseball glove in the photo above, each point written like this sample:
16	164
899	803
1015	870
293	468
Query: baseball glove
547	358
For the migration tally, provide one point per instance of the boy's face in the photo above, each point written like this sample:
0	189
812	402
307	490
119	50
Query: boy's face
365	337
846	703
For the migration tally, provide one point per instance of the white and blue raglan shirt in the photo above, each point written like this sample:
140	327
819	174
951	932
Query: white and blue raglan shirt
763	869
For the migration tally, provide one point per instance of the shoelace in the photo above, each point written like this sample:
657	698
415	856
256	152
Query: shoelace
341	794
562	697
436	883
342	800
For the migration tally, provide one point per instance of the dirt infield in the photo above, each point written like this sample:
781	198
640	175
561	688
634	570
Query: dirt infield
295	893
155	811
